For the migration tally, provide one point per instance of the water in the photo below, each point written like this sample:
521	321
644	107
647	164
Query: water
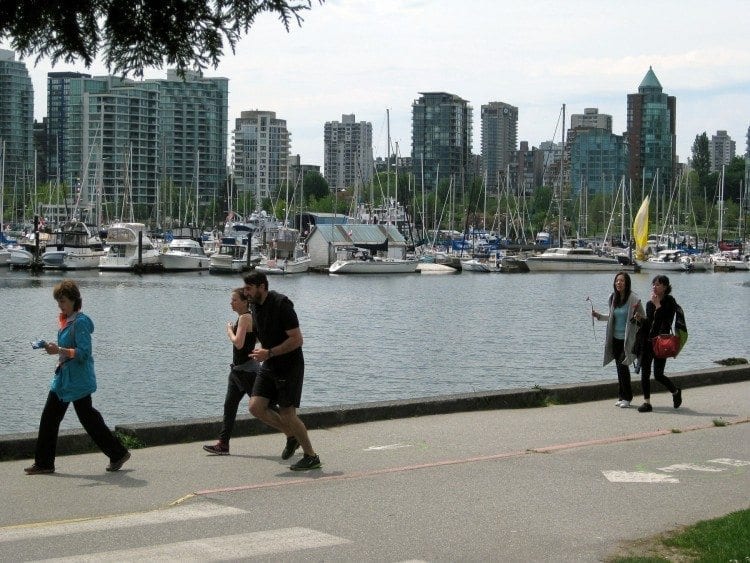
161	350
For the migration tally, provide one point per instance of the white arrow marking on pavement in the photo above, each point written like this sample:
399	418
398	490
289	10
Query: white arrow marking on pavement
732	462
638	477
388	447
690	467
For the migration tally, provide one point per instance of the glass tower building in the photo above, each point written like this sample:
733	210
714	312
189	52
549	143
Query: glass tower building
347	152
651	136
441	139
16	121
499	137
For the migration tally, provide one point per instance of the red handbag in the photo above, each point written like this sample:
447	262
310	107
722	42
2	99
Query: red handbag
666	346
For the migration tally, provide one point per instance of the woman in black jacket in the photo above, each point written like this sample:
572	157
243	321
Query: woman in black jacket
660	311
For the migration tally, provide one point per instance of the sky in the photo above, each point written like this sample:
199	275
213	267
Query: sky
370	57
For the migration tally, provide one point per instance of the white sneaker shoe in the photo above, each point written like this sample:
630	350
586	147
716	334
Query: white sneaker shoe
619	403
624	404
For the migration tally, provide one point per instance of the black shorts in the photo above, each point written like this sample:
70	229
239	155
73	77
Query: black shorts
284	389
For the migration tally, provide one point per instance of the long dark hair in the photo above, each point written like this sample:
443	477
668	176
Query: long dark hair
626	293
663	280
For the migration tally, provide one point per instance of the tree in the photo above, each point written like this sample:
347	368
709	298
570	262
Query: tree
314	185
701	161
136	34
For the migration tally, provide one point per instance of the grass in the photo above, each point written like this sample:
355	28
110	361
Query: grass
725	539
719	422
130	442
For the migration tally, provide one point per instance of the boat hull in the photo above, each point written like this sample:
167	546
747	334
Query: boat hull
539	264
184	263
66	260
373	267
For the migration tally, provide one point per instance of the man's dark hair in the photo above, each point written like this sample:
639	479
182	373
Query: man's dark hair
256	278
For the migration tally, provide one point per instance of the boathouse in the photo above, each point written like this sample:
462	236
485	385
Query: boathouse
327	243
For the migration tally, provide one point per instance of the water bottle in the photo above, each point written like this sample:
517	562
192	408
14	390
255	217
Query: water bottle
38	344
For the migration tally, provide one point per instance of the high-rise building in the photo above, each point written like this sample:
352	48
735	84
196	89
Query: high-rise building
651	135
58	108
16	120
499	138
128	138
347	153
597	158
722	149
441	139
260	155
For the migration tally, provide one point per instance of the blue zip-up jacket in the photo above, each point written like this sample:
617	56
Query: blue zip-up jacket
75	377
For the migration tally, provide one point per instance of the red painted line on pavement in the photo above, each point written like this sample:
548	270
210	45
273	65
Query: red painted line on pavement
505	455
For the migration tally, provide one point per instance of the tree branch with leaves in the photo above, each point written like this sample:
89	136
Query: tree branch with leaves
133	35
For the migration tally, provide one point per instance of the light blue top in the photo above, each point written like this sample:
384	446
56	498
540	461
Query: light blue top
621	321
76	378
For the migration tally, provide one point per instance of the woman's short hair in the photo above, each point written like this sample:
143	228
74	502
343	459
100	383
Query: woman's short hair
69	289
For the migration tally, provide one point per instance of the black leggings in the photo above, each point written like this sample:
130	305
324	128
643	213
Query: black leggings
659	364
624	390
240	384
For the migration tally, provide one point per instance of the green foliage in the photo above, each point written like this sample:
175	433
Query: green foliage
314	185
184	34
701	161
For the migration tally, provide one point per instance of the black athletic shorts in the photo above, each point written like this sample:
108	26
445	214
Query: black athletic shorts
284	389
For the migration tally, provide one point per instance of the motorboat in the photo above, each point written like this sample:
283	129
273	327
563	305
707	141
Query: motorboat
123	242
577	259
674	260
284	266
185	252
29	250
4	256
731	261
74	247
362	262
233	256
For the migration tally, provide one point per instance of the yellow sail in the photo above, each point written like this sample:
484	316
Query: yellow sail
640	230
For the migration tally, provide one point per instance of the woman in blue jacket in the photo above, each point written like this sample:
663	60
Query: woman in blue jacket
74	382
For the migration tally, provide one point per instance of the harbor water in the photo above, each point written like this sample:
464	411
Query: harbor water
162	354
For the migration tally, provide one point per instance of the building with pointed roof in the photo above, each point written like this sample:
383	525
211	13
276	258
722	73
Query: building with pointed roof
651	135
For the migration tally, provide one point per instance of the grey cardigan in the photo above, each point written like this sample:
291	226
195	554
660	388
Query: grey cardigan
631	329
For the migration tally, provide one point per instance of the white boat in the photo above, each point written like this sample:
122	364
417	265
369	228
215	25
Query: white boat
573	260
283	266
122	248
231	258
184	253
22	255
731	262
474	265
74	247
673	260
4	256
365	263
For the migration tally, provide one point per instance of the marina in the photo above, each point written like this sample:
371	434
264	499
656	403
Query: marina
161	352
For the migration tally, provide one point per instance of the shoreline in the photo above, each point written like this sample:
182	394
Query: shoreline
151	434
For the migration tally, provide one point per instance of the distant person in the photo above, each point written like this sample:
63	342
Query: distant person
242	371
622	330
660	312
282	372
74	382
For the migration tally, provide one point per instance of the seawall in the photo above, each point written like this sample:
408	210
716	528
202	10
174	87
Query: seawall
21	446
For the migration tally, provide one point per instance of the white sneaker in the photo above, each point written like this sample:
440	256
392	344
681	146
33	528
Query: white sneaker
619	403
624	404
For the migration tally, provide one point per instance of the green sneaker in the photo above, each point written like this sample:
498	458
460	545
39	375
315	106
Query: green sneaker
307	462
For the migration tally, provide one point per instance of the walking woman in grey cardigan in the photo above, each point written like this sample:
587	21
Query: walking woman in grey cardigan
621	334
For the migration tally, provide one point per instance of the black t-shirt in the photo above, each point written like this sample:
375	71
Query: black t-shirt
272	320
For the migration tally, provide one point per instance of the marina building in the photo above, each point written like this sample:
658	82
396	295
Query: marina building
260	154
16	121
722	149
651	136
347	153
441	139
499	140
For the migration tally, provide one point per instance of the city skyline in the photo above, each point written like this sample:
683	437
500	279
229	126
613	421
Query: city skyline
354	57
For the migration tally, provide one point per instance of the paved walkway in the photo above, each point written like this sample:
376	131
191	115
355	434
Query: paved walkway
562	482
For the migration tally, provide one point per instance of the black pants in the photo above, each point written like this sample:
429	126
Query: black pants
91	420
659	365
240	384
624	390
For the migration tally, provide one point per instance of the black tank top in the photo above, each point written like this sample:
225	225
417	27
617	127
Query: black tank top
242	355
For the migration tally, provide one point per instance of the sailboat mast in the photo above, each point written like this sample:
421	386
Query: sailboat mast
562	176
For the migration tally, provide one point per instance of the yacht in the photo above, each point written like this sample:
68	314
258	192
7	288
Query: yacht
573	260
232	256
362	262
122	248
185	252
674	260
74	247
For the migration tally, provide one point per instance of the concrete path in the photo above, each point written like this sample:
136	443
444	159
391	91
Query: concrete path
562	482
